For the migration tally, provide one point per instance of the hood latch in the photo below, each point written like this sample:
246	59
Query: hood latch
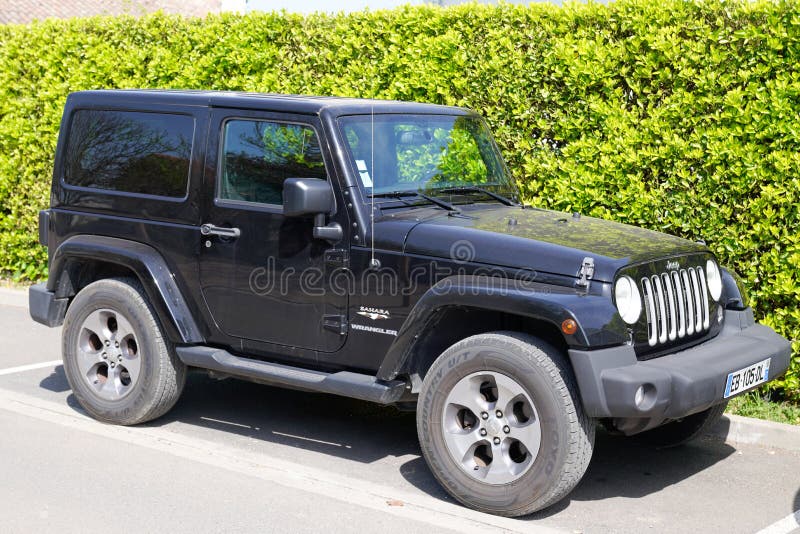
586	272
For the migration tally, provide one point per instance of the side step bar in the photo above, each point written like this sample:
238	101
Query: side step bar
344	383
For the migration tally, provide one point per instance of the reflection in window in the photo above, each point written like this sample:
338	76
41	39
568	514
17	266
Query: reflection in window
130	151
438	155
259	155
423	152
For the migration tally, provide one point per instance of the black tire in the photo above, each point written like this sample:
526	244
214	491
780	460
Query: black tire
160	375
680	432
567	434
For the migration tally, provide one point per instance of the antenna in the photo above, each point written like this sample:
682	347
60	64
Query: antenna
373	262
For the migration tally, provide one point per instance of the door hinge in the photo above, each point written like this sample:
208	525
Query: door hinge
335	323
586	272
337	257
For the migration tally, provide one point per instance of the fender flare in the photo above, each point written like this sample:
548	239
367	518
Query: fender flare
599	324
733	298
146	263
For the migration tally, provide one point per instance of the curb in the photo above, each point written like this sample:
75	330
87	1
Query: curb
14	297
737	429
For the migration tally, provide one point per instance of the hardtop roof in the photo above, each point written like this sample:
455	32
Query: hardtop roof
262	101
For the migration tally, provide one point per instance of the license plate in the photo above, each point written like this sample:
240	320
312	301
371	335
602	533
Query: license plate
746	378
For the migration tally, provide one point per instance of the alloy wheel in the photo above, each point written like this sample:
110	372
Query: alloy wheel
491	427
108	354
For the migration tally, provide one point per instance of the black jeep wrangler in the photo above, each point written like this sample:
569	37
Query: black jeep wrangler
378	250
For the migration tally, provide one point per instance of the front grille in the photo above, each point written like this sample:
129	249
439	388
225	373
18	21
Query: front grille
676	304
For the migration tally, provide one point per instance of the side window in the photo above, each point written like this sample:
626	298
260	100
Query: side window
130	151
258	155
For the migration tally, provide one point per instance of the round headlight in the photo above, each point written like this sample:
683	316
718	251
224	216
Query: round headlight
714	279
629	302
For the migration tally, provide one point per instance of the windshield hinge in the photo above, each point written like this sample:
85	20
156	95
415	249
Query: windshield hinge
337	258
335	323
586	272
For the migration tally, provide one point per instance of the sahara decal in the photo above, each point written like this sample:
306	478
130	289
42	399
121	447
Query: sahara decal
373	313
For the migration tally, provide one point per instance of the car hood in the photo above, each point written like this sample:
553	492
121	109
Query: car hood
531	238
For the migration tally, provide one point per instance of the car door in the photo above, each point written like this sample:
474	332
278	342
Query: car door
264	276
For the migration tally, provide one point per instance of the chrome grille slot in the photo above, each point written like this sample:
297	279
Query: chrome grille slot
698	314
662	309
687	295
650	310
672	319
681	303
676	305
703	296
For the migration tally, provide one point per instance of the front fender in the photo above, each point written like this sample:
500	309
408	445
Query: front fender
733	297
148	265
599	324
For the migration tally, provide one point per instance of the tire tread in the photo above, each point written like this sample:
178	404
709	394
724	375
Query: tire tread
171	374
581	427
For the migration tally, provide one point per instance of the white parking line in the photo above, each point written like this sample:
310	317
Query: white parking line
31	367
400	502
788	524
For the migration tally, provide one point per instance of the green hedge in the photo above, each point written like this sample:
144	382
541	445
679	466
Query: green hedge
678	116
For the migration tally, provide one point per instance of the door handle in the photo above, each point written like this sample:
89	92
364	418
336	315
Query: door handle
210	229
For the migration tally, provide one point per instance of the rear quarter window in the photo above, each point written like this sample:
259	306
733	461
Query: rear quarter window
129	151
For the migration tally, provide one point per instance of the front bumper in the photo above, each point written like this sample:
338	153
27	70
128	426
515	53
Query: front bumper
678	384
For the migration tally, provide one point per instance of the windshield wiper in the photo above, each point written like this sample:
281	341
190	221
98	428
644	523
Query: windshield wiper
403	194
475	188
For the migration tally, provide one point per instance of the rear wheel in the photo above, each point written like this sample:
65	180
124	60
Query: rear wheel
120	367
501	426
683	431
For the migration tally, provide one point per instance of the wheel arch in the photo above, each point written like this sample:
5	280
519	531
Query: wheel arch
450	324
83	259
462	306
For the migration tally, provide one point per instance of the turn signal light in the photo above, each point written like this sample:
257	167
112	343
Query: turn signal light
569	326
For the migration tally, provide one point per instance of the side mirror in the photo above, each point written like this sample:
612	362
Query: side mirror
311	196
306	196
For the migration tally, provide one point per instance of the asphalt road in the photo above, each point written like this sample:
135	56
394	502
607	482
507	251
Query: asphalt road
239	457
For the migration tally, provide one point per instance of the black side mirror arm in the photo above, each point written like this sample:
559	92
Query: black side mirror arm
331	232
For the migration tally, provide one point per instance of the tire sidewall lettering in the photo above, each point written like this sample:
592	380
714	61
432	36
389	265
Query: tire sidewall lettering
538	384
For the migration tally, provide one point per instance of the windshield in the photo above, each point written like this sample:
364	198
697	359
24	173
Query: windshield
436	154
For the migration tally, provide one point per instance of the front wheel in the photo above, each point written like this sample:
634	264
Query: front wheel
501	425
